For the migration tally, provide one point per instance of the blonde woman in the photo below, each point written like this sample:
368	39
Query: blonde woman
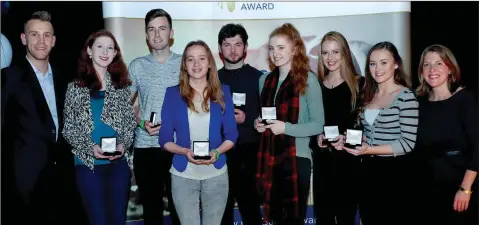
199	109
334	172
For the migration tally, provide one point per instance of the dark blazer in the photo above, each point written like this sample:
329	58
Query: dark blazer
29	144
174	119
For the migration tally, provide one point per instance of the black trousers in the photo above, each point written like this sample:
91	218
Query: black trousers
241	162
277	194
54	200
335	178
151	169
441	203
389	191
442	180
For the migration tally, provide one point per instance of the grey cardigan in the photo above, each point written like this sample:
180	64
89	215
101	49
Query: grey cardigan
395	125
311	115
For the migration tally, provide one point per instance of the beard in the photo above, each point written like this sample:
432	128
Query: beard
236	61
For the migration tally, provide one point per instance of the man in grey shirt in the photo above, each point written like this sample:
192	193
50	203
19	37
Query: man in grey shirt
150	76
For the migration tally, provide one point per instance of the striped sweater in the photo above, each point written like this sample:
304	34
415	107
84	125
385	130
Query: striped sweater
395	125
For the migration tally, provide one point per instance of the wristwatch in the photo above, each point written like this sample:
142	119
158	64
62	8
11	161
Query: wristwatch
469	192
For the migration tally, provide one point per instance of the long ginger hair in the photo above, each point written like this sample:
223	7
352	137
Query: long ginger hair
300	62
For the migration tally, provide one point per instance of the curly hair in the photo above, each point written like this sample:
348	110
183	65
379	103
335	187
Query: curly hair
300	62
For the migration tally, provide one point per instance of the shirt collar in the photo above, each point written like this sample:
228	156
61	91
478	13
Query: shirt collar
37	71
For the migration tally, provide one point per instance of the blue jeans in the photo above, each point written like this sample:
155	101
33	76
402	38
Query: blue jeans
105	192
187	194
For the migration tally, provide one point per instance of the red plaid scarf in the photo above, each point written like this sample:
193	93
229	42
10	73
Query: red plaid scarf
279	151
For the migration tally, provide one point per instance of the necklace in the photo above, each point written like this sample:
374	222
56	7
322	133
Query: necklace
335	83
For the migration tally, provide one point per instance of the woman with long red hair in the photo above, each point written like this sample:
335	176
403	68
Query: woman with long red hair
99	125
284	157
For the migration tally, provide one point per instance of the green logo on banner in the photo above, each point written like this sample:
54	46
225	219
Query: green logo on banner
229	5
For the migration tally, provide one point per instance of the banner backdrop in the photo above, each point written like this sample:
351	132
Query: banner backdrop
362	23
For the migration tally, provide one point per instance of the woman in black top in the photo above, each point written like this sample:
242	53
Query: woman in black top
447	137
334	172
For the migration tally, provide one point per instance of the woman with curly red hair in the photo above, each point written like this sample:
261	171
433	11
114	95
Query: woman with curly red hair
284	157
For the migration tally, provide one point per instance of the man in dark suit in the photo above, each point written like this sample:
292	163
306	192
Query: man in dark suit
38	183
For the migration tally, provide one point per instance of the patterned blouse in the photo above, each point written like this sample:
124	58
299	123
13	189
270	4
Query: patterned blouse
78	122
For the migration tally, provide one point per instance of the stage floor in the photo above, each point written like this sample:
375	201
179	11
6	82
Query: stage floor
307	221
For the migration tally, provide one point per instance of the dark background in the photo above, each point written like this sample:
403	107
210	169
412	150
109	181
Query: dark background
453	24
72	22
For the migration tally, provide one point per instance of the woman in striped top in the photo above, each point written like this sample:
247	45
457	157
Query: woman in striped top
389	116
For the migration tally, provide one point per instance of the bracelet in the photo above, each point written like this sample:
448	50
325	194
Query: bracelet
469	192
142	124
217	153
